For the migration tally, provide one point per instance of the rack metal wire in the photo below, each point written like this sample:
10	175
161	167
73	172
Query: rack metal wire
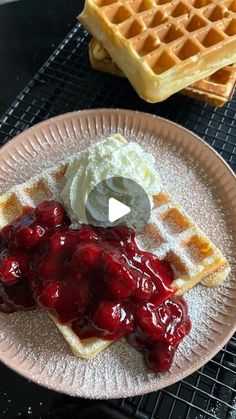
65	83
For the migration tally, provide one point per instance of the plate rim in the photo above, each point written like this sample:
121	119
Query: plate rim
55	118
15	141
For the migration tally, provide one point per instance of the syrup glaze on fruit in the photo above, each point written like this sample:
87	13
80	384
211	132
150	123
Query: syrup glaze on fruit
95	279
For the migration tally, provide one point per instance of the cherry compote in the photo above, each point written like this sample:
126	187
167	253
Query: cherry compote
95	279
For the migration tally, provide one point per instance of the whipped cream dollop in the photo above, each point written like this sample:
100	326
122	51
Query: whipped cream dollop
112	157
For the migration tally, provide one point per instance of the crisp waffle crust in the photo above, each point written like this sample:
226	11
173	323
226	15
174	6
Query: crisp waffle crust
193	256
216	89
164	46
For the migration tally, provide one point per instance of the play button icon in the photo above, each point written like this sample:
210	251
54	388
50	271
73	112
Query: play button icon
116	210
118	201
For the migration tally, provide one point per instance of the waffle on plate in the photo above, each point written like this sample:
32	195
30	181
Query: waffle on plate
193	256
217	89
164	46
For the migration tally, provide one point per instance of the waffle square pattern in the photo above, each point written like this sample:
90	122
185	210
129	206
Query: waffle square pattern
174	236
216	89
164	46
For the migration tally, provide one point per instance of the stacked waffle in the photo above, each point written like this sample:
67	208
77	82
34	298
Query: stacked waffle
164	47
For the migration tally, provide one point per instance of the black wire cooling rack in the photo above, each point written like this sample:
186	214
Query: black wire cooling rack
66	83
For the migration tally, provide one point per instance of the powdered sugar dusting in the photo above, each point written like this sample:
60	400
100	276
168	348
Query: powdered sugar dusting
119	370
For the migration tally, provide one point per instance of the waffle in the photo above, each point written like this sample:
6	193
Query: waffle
85	348
193	256
164	46
216	89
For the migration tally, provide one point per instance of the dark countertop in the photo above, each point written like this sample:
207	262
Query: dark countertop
29	32
21	399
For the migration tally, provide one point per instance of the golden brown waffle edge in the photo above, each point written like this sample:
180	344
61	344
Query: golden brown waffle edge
216	90
164	46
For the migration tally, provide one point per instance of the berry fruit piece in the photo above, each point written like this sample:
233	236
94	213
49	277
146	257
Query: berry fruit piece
63	238
163	277
29	236
10	271
144	288
112	261
49	294
87	234
118	289
149	321
73	300
120	283
10	231
174	317
108	317
159	359
57	242
50	213
86	255
23	258
47	267
163	269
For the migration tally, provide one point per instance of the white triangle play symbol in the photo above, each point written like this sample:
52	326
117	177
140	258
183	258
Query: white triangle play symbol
116	209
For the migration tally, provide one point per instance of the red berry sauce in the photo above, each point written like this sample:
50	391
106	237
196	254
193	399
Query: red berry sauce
95	279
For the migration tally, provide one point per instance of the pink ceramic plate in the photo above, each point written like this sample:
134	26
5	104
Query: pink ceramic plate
205	186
